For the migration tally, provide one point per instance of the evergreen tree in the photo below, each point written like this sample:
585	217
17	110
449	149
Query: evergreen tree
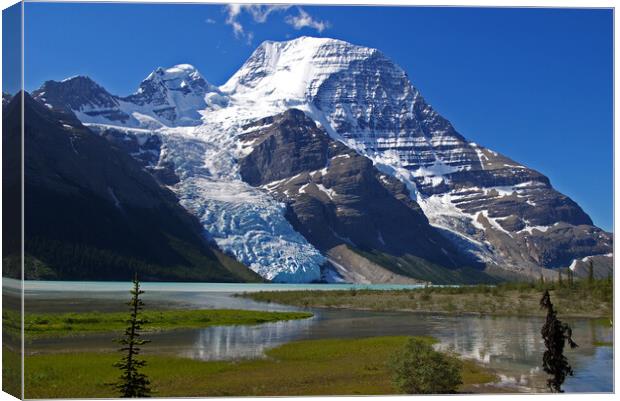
132	383
569	273
559	278
555	335
591	273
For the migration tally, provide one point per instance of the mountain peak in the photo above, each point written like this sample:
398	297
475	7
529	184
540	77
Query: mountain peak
79	78
77	92
181	78
312	41
295	69
175	93
75	82
179	71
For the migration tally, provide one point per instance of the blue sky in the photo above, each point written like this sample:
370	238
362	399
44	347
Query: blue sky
11	47
534	84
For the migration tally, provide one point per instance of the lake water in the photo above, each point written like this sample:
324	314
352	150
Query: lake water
509	345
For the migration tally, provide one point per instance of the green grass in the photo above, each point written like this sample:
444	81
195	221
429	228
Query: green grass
319	367
583	299
59	324
598	343
11	371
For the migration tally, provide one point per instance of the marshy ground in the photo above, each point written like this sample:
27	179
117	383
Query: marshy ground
582	299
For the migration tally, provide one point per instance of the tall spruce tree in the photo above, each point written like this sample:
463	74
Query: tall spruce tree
555	335
132	383
591	273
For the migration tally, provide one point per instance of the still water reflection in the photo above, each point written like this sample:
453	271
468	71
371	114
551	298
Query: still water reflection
511	346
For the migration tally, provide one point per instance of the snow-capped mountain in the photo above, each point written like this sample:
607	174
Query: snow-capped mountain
501	212
175	94
508	215
166	97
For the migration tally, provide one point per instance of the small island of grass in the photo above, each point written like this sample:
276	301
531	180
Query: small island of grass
62	324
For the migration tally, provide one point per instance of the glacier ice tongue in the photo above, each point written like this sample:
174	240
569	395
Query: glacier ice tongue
250	225
244	221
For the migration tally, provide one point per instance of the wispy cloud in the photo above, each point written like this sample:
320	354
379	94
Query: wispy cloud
305	20
260	14
210	21
233	11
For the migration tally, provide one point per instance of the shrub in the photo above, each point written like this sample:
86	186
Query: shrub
419	369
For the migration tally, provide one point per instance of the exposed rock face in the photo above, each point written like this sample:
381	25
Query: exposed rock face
145	148
81	94
337	197
91	212
352	267
602	266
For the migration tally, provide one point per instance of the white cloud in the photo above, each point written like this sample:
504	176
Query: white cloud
210	21
260	14
305	20
233	11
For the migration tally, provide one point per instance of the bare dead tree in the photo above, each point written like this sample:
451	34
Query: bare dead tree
555	335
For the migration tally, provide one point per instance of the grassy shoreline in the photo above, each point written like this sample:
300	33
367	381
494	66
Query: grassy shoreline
583	299
314	367
63	324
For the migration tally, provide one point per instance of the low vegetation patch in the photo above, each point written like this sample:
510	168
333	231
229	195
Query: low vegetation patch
581	299
59	324
318	367
11	371
419	369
